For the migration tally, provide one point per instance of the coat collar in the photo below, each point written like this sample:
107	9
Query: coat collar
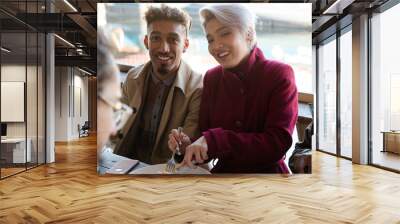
166	82
244	68
181	80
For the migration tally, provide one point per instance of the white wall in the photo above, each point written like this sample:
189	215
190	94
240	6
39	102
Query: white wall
16	73
61	103
80	110
71	94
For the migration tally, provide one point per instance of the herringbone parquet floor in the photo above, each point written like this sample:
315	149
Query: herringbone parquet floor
70	191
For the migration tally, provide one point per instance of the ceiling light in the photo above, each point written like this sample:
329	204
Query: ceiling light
5	50
79	51
70	5
86	72
65	41
338	6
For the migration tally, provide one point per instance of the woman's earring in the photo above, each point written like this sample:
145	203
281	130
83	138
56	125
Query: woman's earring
249	41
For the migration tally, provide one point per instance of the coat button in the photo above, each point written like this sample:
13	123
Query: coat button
242	91
241	75
238	124
120	135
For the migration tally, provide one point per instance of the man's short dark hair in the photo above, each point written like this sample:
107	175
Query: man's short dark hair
168	13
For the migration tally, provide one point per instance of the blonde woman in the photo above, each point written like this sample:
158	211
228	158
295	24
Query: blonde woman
249	103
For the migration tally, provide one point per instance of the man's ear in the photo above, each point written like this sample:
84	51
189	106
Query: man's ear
185	45
146	42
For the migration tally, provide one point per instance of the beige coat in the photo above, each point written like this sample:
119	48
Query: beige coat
181	108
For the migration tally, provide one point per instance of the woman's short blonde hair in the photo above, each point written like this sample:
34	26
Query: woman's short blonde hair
236	15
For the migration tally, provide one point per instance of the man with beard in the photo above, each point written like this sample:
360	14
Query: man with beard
165	92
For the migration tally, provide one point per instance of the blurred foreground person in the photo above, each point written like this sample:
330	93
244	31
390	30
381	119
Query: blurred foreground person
111	113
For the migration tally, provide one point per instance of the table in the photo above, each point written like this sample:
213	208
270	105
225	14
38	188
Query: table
13	150
391	141
107	159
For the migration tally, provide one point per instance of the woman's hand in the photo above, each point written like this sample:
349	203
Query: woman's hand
176	138
196	152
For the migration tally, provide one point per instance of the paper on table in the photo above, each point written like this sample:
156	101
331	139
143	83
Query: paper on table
122	166
160	169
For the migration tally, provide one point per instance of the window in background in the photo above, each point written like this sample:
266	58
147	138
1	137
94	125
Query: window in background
346	94
385	84
327	96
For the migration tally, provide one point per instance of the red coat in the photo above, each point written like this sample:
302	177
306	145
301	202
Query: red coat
248	115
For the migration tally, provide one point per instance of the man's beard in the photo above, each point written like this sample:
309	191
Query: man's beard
163	70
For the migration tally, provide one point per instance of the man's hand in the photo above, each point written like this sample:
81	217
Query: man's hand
175	138
196	152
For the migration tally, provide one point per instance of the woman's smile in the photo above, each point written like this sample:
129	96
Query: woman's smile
222	55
